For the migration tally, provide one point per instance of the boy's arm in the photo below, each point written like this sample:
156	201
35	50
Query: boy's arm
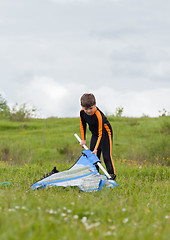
82	128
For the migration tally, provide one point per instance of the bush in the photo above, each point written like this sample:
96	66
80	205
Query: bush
118	112
21	113
4	109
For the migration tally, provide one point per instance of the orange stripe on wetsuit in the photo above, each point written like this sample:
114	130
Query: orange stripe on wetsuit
100	120
110	142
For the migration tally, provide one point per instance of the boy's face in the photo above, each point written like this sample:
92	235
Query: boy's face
90	110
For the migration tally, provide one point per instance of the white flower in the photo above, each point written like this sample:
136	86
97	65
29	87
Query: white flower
69	210
24	208
51	211
63	214
89	226
166	217
109	220
107	233
75	217
112	227
84	219
123	209
125	220
11	210
140	167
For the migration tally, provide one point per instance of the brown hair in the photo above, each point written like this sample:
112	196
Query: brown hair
87	100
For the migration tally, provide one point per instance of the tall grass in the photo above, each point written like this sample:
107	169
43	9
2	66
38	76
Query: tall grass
144	140
137	209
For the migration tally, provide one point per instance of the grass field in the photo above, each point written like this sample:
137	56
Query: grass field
137	209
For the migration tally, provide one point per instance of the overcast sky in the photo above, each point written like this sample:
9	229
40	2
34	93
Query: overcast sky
52	51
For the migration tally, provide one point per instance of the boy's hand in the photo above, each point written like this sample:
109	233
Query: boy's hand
95	152
83	142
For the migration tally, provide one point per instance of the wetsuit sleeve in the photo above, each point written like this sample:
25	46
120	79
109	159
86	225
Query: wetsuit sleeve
82	127
100	128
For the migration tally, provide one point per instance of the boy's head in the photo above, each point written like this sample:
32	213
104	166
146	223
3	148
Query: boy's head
88	103
88	100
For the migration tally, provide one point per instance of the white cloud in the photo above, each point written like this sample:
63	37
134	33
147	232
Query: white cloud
50	97
119	50
135	104
64	2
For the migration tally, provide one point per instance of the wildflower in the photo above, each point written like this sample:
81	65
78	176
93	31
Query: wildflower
107	233
89	226
24	208
11	210
69	210
51	211
123	209
125	220
112	227
75	217
140	167
63	214
84	219
166	217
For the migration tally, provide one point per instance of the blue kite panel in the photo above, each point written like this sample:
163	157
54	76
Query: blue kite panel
82	174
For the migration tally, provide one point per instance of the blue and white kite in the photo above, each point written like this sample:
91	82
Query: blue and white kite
82	174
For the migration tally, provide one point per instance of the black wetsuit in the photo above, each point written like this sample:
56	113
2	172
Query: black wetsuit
102	136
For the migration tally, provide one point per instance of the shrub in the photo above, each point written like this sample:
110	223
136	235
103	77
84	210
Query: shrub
21	113
4	109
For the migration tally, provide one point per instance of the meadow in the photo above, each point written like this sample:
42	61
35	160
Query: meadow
137	209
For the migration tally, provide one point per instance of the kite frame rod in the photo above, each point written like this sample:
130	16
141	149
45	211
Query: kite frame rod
99	164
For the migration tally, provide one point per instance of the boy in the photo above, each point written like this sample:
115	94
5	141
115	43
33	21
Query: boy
101	140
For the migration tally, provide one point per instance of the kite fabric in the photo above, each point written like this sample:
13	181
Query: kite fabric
82	174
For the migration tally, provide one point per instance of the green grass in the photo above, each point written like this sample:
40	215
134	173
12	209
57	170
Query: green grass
137	209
